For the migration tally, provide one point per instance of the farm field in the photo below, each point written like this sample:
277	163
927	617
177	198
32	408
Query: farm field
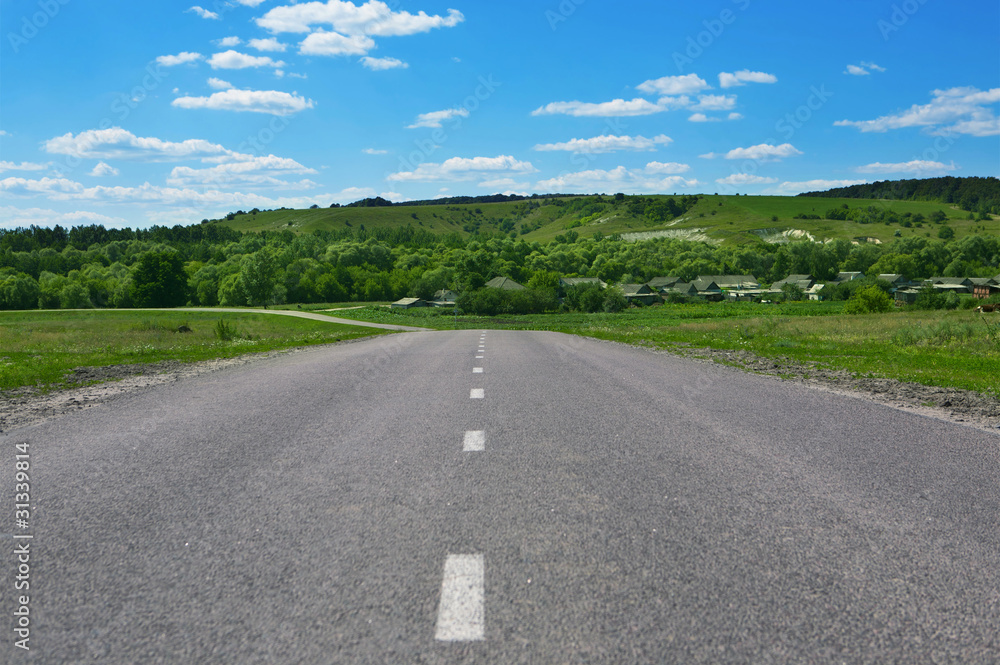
41	349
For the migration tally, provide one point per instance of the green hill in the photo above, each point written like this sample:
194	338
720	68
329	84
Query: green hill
727	220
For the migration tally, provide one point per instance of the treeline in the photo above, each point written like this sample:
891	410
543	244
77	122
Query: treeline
979	195
214	265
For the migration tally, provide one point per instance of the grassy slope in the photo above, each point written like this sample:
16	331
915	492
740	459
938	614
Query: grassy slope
40	348
731	223
938	348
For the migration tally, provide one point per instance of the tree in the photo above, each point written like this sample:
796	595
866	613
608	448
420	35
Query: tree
869	300
159	280
18	291
946	233
259	276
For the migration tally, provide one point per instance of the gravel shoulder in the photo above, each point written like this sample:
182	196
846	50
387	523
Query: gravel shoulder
27	406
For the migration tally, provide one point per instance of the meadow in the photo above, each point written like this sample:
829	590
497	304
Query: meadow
41	349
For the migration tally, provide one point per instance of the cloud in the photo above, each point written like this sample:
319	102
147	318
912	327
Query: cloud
250	3
605	144
273	102
917	166
203	13
333	44
714	103
953	111
259	171
117	144
459	169
791	188
49	186
103	169
701	117
23	166
235	60
744	76
613	109
619	179
666	168
746	179
674	85
381	64
229	42
179	59
12	218
219	84
864	69
270	44
435	118
735	116
373	18
764	152
374	151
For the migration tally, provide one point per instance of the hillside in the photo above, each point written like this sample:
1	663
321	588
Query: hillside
727	220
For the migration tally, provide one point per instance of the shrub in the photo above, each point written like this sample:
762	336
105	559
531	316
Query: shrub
225	332
869	300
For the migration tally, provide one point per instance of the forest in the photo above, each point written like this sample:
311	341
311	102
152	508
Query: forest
978	195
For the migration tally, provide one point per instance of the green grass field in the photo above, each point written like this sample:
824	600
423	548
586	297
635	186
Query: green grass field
959	349
40	348
723	219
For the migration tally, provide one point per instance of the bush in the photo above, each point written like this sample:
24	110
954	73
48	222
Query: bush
225	331
491	302
869	300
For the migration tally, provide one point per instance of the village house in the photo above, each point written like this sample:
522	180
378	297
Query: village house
663	284
504	283
984	287
409	303
640	294
950	284
708	289
804	282
897	280
444	298
847	277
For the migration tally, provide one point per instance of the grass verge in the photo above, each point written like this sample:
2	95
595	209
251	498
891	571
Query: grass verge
41	348
956	349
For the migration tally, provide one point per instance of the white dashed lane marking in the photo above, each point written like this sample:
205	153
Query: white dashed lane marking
477	393
477	370
479	357
461	614
474	442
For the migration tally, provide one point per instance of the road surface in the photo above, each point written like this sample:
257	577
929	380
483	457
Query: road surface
501	497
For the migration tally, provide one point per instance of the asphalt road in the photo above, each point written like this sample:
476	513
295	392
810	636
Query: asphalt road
613	506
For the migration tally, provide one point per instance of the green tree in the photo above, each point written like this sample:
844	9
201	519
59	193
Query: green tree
869	300
259	276
159	280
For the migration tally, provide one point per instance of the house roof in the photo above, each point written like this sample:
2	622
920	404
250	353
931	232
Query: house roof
848	276
892	277
574	281
801	281
733	281
636	290
407	302
951	281
505	283
704	284
663	282
445	294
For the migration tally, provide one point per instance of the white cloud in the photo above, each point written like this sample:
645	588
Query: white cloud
917	166
715	103
674	85
701	117
746	179
604	144
459	168
219	84
956	110
666	168
744	76
203	13
104	169
334	43
49	186
235	60
274	102
381	64
229	42
257	170
3	133
117	143
250	3
764	152
619	179
12	218
864	69
735	116
435	118
612	109
23	166
372	18
791	188
374	151
269	44
179	59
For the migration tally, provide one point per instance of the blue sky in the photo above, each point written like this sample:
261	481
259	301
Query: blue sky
133	114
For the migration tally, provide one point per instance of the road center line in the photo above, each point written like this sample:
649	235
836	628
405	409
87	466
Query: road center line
477	370
474	442
477	393
463	592
479	357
